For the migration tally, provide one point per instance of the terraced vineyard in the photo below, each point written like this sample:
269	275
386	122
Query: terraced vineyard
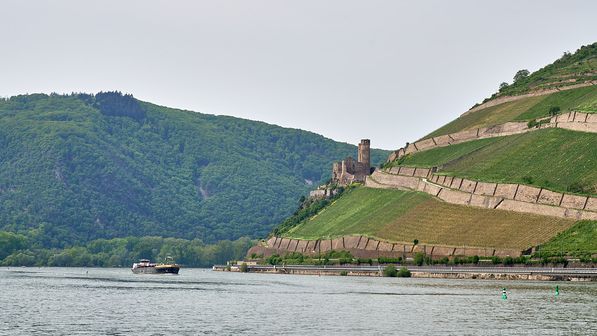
582	237
581	99
403	216
556	159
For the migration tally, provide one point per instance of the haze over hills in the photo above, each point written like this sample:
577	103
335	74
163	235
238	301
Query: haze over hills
512	174
74	168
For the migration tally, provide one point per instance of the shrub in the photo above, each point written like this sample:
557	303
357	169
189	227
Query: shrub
333	254
577	187
244	268
521	260
508	261
403	272
521	74
365	261
535	123
496	260
419	259
390	271
274	259
444	260
343	273
554	110
474	259
386	260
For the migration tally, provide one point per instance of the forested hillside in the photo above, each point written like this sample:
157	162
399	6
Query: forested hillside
81	167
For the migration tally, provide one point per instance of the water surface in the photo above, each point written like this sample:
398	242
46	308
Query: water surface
95	301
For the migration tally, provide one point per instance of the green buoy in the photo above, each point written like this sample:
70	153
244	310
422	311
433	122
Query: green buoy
557	290
504	295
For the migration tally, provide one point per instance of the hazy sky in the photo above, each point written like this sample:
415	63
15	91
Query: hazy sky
391	71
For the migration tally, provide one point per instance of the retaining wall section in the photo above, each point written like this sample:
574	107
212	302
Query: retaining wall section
366	247
575	121
506	99
511	197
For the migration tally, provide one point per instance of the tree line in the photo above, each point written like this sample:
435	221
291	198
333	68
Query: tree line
21	250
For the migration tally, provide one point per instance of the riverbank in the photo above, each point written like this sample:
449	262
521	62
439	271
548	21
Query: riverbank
483	273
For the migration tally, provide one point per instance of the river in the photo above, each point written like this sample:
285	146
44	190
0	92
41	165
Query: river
96	301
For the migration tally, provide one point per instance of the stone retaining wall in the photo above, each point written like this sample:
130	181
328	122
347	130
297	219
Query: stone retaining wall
365	247
506	99
512	197
575	121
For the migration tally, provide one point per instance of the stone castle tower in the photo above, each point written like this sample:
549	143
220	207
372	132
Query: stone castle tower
348	170
364	152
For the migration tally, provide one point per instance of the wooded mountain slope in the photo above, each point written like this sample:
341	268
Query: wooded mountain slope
80	167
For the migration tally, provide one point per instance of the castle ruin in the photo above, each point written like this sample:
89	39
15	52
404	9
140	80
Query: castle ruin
348	170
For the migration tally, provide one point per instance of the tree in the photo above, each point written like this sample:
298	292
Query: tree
390	271
554	110
419	259
503	85
521	74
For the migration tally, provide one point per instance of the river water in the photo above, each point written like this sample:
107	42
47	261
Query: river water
95	301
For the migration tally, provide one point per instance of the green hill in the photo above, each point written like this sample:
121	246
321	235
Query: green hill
80	167
569	69
581	99
403	216
552	158
556	159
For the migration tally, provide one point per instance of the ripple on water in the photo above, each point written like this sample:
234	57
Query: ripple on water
75	301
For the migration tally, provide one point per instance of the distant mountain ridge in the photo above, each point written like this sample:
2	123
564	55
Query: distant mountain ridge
81	167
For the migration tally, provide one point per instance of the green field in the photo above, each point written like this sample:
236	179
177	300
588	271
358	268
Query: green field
582	237
403	216
581	99
494	115
360	211
439	156
556	159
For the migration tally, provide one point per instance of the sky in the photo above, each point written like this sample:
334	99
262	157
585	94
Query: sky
390	71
